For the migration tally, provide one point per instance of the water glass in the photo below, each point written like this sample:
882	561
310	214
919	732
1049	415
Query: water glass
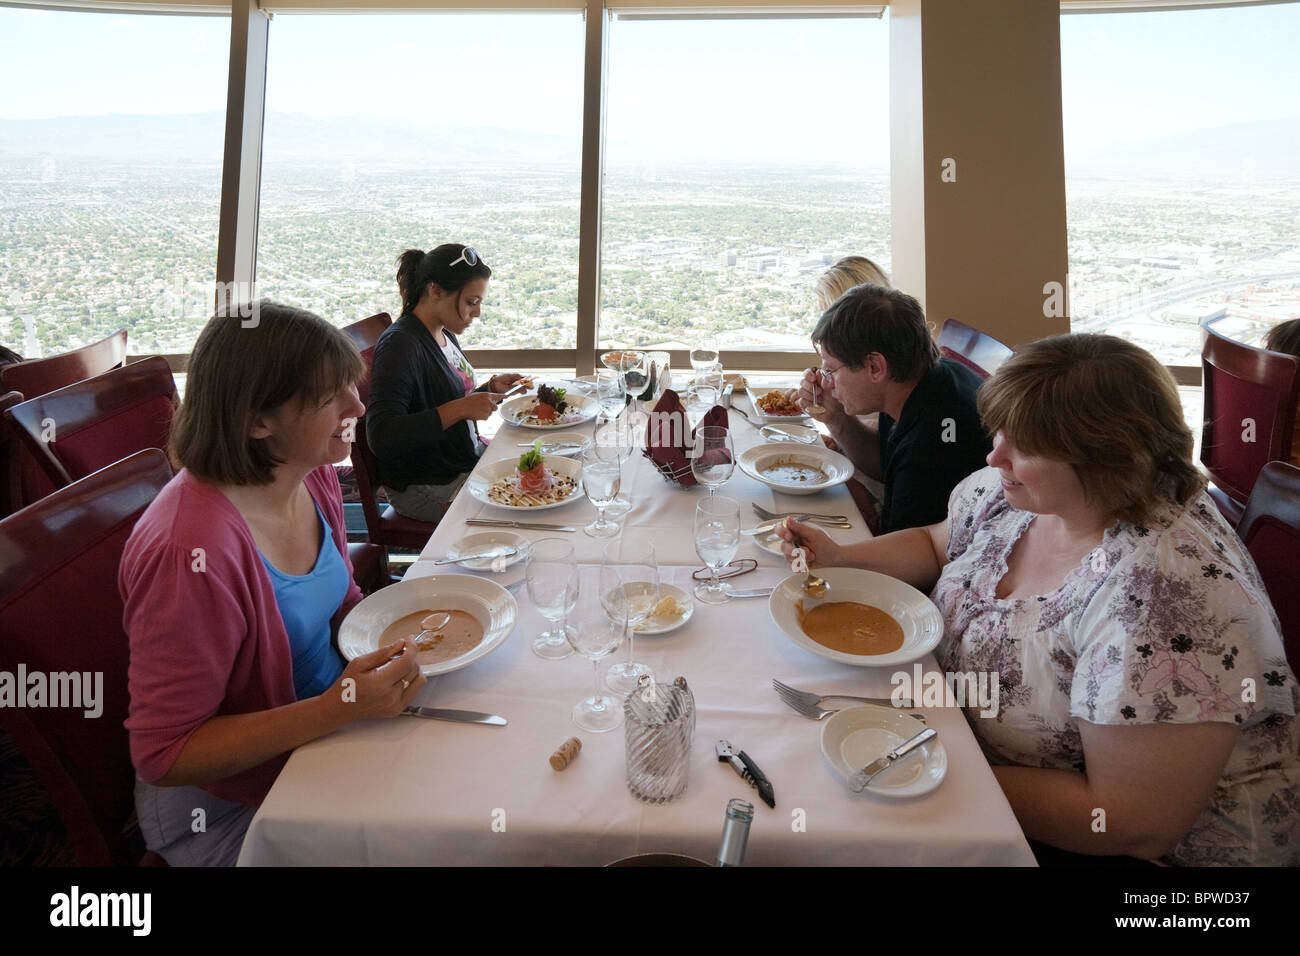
717	538
614	442
703	357
659	730
601	480
609	392
552	579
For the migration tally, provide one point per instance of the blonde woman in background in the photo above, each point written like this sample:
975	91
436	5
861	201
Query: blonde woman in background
844	275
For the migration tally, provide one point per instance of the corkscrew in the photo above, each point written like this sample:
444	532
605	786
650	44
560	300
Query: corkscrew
744	765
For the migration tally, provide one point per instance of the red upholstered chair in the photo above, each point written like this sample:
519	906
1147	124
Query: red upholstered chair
979	352
389	529
1270	528
11	494
37	376
62	613
100	420
1250	398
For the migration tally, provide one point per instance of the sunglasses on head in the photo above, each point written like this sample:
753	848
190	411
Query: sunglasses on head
468	255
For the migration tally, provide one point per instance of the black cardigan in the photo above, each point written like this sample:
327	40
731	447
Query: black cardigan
410	378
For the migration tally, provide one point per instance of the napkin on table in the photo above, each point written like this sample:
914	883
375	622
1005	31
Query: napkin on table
667	444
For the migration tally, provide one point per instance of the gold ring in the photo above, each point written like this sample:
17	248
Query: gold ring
406	682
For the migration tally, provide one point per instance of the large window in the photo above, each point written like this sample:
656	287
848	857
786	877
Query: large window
1182	173
742	158
441	128
111	133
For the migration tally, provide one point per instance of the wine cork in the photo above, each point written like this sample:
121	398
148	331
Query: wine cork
564	756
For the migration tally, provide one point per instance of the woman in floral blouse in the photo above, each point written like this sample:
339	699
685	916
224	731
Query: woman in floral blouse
1146	705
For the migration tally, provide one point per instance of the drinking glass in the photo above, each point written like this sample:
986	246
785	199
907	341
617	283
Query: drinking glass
601	480
717	537
595	635
713	457
629	590
552	578
615	442
609	392
633	373
708	383
697	407
703	357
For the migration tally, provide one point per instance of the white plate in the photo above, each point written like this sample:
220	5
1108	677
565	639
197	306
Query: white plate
838	469
921	622
755	393
770	542
486	543
581	406
662	625
489	603
801	433
481	479
854	737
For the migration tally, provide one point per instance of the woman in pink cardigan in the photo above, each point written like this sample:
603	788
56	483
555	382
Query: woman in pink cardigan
235	581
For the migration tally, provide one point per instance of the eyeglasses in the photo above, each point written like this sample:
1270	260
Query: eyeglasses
830	372
468	255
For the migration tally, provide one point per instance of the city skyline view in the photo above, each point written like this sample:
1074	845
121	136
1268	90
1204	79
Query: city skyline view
1182	183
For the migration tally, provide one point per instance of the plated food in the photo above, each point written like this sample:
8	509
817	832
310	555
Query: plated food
854	737
460	635
549	482
404	605
776	404
674	609
549	408
919	620
851	627
796	469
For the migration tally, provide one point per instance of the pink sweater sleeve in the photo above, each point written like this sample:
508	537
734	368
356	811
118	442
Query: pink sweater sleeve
172	593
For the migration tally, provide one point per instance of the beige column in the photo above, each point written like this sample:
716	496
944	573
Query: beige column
977	163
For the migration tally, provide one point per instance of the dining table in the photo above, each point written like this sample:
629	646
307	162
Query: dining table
407	791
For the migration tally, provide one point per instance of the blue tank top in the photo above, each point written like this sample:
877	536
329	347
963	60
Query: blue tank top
308	602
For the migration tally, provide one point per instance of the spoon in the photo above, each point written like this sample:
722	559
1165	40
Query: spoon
433	624
813	585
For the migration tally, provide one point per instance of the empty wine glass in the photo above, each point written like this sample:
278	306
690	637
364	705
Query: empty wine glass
609	392
600	480
552	579
703	357
615	442
713	457
595	634
708	383
633	372
629	588
717	537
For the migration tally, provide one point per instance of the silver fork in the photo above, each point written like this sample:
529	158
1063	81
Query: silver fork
773	515
807	703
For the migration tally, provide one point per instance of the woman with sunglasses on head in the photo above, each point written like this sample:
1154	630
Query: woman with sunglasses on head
423	401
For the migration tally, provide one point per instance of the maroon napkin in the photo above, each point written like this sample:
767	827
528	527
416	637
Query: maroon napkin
667	441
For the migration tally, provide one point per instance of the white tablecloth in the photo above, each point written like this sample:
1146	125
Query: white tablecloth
409	791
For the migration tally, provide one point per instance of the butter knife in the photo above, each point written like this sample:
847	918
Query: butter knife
460	716
528	525
750	592
479	557
858	782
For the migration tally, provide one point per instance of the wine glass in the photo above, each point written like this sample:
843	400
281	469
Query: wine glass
708	383
633	372
713	457
703	356
614	442
601	479
717	537
609	392
552	578
629	590
595	635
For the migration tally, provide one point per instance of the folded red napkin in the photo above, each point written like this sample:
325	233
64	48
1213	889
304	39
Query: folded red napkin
667	441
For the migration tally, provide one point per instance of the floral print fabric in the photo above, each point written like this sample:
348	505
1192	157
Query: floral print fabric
1167	622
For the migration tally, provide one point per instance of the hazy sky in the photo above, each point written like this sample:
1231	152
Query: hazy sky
807	90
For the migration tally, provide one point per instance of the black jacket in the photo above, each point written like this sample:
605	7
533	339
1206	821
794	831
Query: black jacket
410	378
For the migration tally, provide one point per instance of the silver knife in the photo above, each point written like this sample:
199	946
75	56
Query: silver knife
528	525
460	716
858	782
511	552
750	592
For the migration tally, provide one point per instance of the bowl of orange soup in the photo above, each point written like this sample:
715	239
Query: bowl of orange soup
866	619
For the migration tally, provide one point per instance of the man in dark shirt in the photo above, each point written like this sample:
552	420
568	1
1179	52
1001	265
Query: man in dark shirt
878	356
